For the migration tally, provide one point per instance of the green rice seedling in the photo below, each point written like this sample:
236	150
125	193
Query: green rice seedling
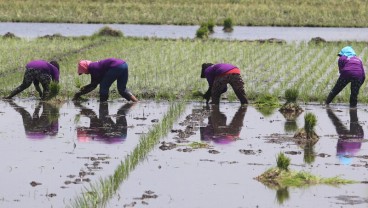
310	122
267	100
282	161
291	95
228	25
54	89
211	25
202	32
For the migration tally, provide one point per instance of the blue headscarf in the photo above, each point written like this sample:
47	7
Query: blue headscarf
347	51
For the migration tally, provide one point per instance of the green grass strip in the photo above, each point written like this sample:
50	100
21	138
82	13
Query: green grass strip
98	194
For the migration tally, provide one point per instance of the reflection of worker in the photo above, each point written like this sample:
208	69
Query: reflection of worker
218	131
103	128
39	126
350	141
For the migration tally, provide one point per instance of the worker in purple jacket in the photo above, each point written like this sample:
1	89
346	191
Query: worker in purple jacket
104	73
38	71
218	76
351	71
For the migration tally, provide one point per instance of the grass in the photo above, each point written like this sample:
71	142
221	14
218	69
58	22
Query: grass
327	13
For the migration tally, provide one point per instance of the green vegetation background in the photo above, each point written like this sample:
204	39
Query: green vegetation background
327	13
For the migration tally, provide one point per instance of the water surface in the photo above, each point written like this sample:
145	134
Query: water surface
289	34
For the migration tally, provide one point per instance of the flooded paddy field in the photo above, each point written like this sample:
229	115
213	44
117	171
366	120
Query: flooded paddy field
242	144
50	155
210	158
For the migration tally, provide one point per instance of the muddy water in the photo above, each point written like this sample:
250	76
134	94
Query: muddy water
289	34
50	152
243	143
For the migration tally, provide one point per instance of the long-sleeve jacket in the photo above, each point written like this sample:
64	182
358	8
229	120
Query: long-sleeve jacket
351	67
97	70
44	66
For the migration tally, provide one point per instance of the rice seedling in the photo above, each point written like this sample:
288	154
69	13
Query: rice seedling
202	32
282	161
310	122
159	70
228	25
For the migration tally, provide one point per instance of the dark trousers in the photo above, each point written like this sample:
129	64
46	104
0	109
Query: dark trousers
341	84
120	74
220	85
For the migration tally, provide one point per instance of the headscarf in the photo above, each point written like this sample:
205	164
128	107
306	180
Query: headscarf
347	51
83	66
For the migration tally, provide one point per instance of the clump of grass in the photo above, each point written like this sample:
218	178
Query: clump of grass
108	31
203	31
310	122
211	26
228	25
307	135
267	100
54	89
282	161
291	95
266	104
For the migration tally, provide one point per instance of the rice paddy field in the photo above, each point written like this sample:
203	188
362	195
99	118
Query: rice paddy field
316	13
170	69
171	149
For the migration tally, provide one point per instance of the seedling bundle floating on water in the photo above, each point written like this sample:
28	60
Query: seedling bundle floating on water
281	177
291	110
307	135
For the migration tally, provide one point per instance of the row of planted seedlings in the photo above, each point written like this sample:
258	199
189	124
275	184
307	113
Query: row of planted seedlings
170	68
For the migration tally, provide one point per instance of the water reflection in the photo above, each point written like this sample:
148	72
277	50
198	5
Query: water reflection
282	195
291	125
350	141
39	126
102	127
217	130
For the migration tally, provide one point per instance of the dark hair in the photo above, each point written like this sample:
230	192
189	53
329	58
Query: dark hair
55	63
204	67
